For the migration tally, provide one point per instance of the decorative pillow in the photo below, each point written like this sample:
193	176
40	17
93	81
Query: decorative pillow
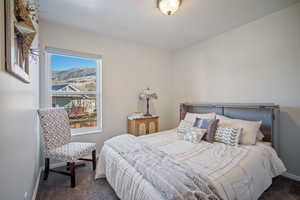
202	123
191	117
195	135
210	125
228	135
260	136
250	128
184	127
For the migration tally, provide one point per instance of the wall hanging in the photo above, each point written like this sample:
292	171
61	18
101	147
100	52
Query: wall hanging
20	30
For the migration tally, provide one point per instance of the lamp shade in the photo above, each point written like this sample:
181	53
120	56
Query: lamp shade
148	94
168	7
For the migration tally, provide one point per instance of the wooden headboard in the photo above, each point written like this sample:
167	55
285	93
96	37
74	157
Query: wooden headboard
267	113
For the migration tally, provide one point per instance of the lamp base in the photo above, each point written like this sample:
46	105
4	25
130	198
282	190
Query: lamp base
147	113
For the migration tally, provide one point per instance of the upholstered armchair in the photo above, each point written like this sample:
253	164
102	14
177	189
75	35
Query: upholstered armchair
57	142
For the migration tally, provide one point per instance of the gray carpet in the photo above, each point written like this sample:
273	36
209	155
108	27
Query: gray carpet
57	187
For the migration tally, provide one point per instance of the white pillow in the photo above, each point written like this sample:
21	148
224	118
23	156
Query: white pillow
260	136
250	128
191	117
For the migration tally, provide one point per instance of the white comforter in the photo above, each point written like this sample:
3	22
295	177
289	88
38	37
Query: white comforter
239	173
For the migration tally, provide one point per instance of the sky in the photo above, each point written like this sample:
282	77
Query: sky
60	62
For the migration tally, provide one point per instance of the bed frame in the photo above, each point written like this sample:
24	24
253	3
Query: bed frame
268	113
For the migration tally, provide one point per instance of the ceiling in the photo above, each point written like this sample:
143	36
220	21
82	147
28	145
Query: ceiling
140	21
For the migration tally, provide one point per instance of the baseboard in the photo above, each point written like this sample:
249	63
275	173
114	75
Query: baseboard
291	176
36	187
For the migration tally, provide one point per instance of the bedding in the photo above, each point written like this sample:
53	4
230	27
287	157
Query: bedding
181	182
242	173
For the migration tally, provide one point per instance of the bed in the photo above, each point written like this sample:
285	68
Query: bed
237	173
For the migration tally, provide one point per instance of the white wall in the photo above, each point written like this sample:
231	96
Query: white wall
257	62
19	150
127	69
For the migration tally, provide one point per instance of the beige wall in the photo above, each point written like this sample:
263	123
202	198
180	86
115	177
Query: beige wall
19	150
127	69
257	62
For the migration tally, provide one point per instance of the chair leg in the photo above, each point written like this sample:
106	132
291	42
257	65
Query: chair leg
68	166
94	159
72	171
46	171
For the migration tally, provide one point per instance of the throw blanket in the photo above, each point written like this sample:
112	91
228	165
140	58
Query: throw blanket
174	180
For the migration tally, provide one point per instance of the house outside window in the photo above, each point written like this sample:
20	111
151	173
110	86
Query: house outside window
74	83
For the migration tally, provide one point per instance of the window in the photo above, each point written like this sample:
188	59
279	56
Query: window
74	83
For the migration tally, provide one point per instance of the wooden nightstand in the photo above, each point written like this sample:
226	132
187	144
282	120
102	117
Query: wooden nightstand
143	125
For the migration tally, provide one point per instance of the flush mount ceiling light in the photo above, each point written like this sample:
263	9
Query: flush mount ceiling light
168	7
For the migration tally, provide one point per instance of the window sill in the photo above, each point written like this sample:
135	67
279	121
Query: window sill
97	131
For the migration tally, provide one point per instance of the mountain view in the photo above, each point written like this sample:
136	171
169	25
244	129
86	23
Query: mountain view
75	74
83	79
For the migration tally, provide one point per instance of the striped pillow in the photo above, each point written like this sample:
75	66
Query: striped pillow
228	135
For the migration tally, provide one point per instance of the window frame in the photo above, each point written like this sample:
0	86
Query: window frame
49	51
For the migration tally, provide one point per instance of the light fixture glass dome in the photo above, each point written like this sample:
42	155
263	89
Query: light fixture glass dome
168	7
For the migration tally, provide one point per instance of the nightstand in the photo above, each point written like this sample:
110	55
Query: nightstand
143	125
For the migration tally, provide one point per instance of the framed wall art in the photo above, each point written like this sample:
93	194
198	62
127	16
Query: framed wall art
20	32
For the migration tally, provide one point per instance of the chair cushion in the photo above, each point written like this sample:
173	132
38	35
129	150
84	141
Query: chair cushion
71	152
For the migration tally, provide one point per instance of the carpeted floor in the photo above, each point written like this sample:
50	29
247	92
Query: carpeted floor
57	187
